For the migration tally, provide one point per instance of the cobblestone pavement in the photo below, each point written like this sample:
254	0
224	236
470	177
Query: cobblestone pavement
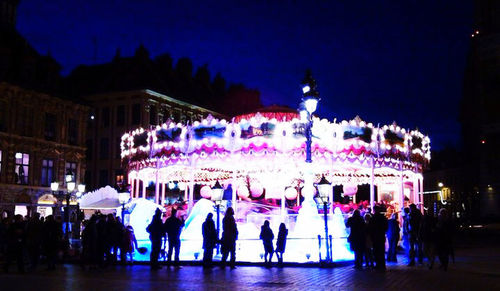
473	270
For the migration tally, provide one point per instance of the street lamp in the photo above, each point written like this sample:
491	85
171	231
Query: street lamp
217	195
308	107
123	198
70	186
54	186
324	189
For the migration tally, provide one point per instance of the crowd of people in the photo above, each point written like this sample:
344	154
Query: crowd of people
27	241
423	236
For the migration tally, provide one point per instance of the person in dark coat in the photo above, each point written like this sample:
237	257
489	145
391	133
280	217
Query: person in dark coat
209	240
156	232
415	220
444	232
281	243
379	228
16	241
128	245
90	255
393	237
357	237
229	237
427	237
369	260
34	230
174	225
267	236
52	237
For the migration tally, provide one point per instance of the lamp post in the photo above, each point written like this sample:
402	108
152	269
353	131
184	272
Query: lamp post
123	198
70	186
324	188
307	108
217	195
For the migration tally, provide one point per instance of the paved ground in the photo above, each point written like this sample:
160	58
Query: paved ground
477	267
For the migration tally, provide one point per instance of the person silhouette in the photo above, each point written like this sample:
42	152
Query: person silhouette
357	237
267	236
173	226
393	237
156	233
209	240
379	228
281	243
229	237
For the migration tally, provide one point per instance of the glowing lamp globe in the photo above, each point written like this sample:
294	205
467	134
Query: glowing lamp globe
54	186
324	188
71	186
311	103
123	197
256	189
171	185
81	188
306	89
243	192
291	193
69	176
217	192
206	192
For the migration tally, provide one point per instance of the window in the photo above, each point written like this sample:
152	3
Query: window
73	132
119	177
103	178
136	114
104	149
47	172
89	153
152	115
71	166
22	168
105	117
50	126
120	115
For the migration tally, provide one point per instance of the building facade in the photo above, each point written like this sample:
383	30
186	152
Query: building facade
479	113
119	112
41	138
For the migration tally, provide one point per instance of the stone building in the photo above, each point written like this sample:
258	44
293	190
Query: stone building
41	138
118	112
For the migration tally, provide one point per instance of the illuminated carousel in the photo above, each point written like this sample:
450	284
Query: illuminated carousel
261	157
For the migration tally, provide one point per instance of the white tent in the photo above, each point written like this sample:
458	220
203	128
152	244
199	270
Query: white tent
103	198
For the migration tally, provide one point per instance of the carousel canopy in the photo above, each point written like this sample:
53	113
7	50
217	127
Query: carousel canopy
273	142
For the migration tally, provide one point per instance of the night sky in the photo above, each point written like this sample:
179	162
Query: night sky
382	60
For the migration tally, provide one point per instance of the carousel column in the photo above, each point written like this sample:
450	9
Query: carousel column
401	186
163	193
421	191
132	192
372	184
233	191
144	189
157	185
191	191
137	185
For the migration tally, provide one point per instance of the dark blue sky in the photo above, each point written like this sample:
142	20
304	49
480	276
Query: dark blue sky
383	60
